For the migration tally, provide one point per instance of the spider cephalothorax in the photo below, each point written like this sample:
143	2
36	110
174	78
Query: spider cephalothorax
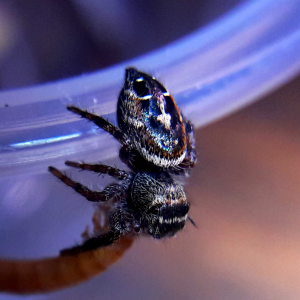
160	202
147	203
156	140
152	130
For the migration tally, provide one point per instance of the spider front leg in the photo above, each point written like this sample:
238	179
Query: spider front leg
100	168
102	123
111	191
120	224
93	243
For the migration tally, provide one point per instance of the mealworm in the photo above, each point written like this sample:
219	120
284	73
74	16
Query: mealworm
46	275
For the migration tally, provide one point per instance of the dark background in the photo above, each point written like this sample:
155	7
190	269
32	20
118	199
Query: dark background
46	40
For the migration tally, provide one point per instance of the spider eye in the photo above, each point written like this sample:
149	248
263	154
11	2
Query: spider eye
141	89
154	210
161	87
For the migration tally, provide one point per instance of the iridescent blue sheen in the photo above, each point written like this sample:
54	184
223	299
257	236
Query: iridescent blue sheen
149	116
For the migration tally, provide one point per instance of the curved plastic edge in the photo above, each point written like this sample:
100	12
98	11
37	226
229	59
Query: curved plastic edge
211	72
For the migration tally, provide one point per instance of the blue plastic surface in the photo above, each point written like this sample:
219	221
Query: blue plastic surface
211	72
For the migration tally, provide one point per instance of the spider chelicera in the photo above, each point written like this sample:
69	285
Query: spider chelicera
156	140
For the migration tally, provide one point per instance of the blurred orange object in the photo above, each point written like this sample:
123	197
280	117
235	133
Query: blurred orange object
45	275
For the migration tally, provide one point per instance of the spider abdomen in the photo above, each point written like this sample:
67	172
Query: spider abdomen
149	116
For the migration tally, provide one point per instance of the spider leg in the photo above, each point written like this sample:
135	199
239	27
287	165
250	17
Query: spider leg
119	223
93	243
102	123
191	142
100	168
111	191
190	158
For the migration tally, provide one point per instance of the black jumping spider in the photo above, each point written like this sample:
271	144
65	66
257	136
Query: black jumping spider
156	140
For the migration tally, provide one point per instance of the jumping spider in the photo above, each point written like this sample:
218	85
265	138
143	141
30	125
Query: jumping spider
156	140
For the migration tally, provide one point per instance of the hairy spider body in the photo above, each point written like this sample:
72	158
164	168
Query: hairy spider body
156	140
150	116
147	203
153	132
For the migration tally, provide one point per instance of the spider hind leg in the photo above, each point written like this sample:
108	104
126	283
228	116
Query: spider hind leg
120	222
111	191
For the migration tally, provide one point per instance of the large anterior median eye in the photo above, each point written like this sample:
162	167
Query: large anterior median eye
154	210
141	89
